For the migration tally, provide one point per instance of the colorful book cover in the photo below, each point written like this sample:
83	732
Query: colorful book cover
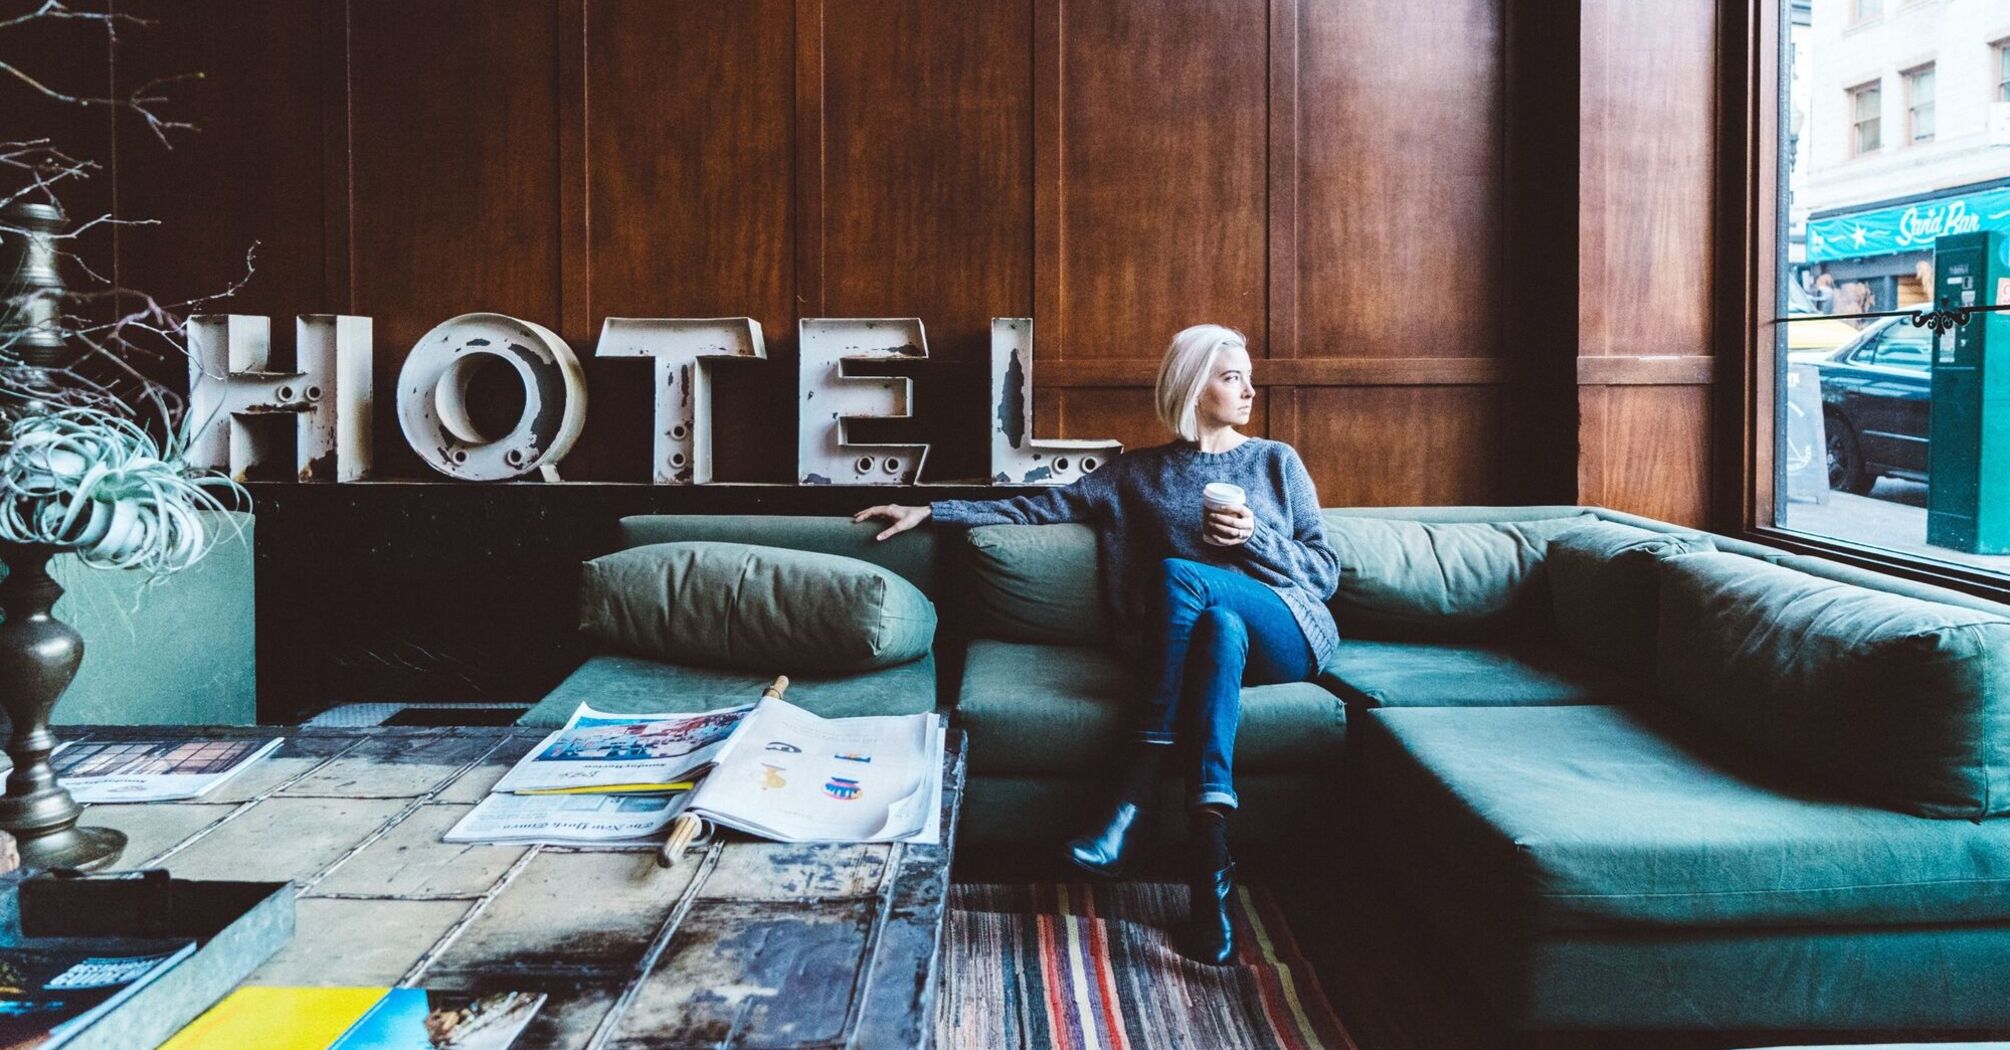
277	1019
51	991
419	1019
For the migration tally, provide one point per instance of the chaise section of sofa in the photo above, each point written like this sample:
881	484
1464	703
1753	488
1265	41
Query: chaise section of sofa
1793	827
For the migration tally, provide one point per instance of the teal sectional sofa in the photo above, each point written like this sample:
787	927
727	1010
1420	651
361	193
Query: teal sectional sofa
1633	776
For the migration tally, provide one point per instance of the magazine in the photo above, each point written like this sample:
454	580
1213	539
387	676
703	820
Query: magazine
52	989
422	1019
788	775
769	769
596	751
153	770
258	1016
506	819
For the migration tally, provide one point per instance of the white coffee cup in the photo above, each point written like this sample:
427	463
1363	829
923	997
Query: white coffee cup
1220	495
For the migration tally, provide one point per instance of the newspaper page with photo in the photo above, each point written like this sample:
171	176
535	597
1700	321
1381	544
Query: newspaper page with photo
596	751
600	820
788	775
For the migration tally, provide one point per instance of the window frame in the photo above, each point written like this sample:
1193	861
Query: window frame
1751	233
1909	79
1863	12
1855	95
2001	49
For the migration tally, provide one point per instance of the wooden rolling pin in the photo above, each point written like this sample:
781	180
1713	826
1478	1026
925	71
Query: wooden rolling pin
686	827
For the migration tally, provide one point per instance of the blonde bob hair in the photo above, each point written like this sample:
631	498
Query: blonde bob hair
1188	363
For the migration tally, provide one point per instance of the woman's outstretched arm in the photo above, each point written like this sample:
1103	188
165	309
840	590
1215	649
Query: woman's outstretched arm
1075	501
1302	556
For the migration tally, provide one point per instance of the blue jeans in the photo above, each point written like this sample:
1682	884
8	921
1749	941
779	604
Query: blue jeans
1221	631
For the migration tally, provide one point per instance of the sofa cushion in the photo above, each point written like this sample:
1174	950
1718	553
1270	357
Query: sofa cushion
738	605
912	554
1604	591
634	685
1066	709
1879	696
1036	583
1598	817
1418	580
1444	674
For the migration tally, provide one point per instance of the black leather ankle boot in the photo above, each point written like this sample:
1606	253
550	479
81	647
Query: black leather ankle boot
1210	934
1101	850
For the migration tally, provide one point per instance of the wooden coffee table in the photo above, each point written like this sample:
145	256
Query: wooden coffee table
746	943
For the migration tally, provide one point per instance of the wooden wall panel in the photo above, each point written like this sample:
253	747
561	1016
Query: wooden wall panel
1402	445
927	199
454	160
1646	450
1400	183
1647	195
690	210
250	174
1647	200
1163	172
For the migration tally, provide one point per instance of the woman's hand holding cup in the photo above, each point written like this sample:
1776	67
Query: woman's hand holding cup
1227	519
903	518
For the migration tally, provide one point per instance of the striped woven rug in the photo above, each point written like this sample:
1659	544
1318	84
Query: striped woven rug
1079	967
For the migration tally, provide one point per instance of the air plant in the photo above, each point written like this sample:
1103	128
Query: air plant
89	481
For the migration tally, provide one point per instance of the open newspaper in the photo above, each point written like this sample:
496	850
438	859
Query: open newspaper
771	769
789	775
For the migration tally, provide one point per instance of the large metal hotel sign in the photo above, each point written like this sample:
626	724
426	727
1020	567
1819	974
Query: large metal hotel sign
328	394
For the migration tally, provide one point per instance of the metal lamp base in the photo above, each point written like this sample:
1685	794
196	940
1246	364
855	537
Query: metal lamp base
85	849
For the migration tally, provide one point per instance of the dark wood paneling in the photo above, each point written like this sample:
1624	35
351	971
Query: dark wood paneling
252	173
1400	178
1648	195
1646	451
928	146
690	187
1164	172
454	157
1402	446
1645	371
1647	120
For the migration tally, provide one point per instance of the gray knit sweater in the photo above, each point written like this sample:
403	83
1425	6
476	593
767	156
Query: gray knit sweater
1145	506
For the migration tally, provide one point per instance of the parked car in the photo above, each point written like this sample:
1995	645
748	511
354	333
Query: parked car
1877	396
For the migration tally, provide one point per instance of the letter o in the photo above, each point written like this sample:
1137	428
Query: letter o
433	387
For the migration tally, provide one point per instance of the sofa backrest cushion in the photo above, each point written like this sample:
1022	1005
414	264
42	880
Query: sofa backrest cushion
768	609
1871	695
1407	580
912	554
1036	583
1604	590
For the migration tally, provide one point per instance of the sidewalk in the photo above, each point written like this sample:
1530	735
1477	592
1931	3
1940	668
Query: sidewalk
1893	517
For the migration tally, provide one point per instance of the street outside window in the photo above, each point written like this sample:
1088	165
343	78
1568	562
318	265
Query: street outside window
1868	240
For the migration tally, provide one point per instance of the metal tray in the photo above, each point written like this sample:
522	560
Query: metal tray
236	926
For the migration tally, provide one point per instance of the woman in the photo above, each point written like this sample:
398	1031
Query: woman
1206	599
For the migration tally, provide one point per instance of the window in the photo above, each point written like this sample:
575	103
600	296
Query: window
1865	454
1919	105
1865	105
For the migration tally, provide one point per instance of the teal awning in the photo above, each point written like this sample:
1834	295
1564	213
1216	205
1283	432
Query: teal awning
1906	227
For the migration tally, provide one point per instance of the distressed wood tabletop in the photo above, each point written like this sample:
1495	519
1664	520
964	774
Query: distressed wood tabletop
745	943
